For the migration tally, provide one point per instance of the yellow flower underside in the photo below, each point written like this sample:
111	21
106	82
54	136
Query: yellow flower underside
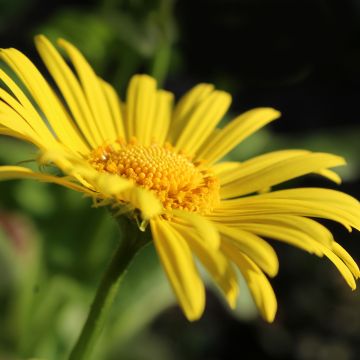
150	159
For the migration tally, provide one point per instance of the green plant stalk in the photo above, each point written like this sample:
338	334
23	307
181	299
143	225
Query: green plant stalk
131	243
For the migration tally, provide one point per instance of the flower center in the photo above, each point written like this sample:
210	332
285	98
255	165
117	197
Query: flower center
175	179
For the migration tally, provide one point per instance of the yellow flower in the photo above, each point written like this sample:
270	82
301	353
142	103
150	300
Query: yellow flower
160	164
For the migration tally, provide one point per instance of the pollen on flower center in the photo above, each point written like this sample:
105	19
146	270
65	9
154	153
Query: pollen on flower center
175	179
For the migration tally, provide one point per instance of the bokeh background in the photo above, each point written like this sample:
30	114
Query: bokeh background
301	57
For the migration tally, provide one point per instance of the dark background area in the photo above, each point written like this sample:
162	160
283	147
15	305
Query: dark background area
299	56
303	58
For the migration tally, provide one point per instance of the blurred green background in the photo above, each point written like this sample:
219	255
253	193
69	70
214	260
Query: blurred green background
301	57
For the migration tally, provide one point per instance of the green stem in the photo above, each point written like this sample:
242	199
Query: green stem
108	288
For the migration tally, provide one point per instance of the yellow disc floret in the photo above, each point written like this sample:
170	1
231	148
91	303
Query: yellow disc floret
174	178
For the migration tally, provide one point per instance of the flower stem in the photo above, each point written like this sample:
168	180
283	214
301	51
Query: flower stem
107	290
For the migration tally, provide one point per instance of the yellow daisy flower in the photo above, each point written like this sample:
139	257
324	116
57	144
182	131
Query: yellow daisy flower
160	165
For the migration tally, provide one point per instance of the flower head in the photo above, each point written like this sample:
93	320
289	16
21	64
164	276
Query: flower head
159	163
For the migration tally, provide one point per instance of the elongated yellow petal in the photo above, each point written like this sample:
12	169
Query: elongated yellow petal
15	117
18	172
257	282
144	200
313	202
258	178
114	104
230	170
161	121
225	167
334	197
141	105
185	108
310	227
179	266
130	107
346	258
317	202
251	245
106	184
205	229
51	106
234	171
16	91
331	175
235	132
290	236
214	261
145	109
70	89
202	121
8	132
93	91
32	117
10	103
340	265
14	122
347	215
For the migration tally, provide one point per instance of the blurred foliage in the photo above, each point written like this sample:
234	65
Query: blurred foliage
119	37
54	246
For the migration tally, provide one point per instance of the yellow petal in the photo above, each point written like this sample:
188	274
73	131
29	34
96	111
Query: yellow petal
346	258
345	216
235	132
107	184
202	121
179	267
140	110
225	167
251	245
343	269
48	102
257	282
114	104
161	122
314	194
214	261
258	163
331	175
70	89
229	171
185	108
262	175
19	135
18	172
144	200
93	90
32	117
281	233
308	226
205	228
12	121
313	202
